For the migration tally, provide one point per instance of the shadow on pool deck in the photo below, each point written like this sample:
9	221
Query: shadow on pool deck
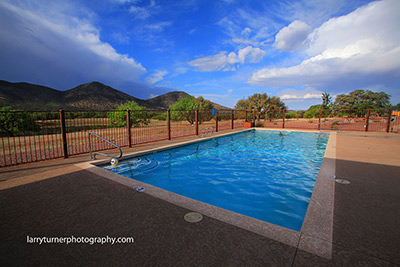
79	203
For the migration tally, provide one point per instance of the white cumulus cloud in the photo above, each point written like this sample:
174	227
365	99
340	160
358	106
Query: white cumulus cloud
157	76
355	50
224	61
296	97
58	49
293	36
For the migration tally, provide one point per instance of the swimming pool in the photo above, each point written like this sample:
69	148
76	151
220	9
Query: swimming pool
256	173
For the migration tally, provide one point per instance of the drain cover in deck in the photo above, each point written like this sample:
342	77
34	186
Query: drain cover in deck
193	217
342	181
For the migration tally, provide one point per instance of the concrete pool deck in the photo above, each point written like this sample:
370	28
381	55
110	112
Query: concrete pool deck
58	199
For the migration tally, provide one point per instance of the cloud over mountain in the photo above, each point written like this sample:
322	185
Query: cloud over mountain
58	48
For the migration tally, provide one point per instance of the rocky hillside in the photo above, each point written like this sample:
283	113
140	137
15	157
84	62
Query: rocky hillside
90	96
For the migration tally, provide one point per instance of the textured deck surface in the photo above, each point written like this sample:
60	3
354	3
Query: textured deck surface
56	198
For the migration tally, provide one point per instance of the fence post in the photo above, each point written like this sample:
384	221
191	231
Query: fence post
319	119
254	116
283	122
216	121
63	133
232	119
367	122
196	114
128	126
168	124
389	117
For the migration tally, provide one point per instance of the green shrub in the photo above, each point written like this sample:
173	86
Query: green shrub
312	113
137	118
160	117
300	113
17	122
291	115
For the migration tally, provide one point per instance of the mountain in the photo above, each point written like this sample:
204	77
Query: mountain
29	96
95	96
90	96
163	101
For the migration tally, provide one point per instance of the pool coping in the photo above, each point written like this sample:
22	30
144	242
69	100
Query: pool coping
315	235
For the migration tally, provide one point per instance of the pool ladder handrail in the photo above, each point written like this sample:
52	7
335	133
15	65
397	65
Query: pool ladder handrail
319	128
93	156
206	131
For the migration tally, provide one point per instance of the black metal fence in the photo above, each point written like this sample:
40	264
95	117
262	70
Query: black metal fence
41	135
373	120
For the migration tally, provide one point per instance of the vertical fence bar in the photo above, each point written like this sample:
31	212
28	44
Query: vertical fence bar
196	114
216	121
254	116
63	133
34	145
15	152
9	149
128	127
19	139
49	118
232	119
42	143
32	150
389	117
283	119
4	152
319	119
367	121
14	144
169	124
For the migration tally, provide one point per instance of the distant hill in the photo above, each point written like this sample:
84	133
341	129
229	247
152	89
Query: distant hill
94	96
29	96
164	101
90	96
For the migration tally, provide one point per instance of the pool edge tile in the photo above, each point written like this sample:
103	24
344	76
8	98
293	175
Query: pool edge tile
316	246
318	221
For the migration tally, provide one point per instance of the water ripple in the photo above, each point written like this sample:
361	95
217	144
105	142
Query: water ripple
258	174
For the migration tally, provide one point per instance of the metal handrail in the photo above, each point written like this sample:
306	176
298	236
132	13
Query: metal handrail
208	129
319	128
103	154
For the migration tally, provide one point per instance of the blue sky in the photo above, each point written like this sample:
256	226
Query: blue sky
222	50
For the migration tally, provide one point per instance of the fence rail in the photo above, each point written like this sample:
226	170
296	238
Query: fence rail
374	120
42	135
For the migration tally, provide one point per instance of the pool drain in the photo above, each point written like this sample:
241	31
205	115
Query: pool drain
193	217
342	181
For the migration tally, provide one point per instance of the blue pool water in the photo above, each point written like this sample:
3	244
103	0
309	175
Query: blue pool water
256	173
